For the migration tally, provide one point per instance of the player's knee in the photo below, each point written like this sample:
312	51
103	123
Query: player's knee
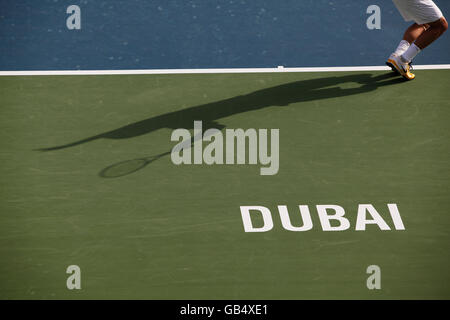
439	26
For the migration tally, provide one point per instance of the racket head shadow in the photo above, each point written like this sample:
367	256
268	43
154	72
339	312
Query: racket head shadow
123	168
127	167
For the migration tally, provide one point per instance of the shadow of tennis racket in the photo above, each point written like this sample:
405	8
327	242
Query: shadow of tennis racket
127	167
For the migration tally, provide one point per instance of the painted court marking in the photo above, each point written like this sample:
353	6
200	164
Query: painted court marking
205	71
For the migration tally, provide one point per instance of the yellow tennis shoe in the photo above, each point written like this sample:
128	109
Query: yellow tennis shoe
403	68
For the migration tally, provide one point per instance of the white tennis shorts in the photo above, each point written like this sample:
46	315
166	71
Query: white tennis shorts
420	11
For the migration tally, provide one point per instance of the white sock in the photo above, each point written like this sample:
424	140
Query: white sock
402	47
409	54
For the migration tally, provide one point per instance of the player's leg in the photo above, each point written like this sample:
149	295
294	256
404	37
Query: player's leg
414	31
434	31
410	35
426	14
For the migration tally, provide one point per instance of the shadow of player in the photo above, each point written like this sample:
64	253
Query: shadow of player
282	95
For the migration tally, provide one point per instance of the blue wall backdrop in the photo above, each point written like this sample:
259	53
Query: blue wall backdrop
155	34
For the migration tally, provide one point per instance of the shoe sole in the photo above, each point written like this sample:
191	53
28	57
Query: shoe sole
399	70
390	65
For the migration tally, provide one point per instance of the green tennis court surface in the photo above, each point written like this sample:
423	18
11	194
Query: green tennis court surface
70	196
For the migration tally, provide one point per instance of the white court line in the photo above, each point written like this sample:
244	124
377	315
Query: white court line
204	71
